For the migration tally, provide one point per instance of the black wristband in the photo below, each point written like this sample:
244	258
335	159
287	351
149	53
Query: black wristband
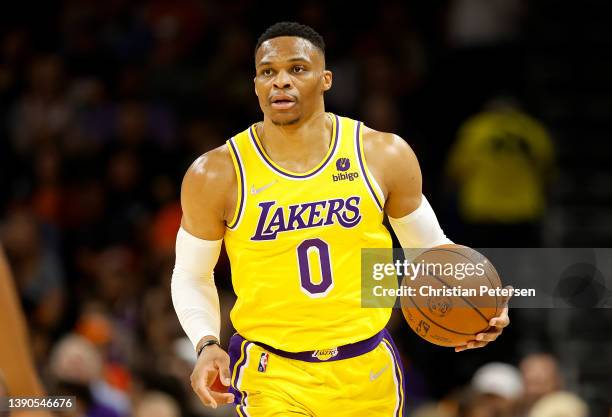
207	343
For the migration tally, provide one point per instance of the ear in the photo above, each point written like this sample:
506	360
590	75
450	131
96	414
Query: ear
254	87
327	80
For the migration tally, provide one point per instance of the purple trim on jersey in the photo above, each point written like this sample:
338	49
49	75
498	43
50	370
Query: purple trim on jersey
235	351
242	407
399	372
242	190
297	176
362	166
343	352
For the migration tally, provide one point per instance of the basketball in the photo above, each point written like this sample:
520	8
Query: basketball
455	293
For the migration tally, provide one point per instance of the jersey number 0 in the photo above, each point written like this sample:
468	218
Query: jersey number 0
311	289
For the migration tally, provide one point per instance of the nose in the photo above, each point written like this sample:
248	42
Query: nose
282	80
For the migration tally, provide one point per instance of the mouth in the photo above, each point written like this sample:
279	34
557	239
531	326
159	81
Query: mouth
282	101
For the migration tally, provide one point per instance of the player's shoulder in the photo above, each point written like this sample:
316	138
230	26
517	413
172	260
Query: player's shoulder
214	168
394	165
386	147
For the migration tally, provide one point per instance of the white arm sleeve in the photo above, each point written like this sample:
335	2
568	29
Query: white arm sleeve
194	294
419	229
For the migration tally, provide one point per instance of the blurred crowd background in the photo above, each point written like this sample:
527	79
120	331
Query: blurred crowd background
104	104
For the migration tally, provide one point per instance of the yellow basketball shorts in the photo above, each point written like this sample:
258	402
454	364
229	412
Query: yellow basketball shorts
361	379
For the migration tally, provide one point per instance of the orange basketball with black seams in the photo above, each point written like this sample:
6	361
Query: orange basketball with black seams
449	303
218	386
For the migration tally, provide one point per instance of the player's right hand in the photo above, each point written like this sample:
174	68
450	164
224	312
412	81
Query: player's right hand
213	362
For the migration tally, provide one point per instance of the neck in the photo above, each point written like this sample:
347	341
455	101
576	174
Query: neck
299	145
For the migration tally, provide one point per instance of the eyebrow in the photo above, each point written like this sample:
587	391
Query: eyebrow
296	59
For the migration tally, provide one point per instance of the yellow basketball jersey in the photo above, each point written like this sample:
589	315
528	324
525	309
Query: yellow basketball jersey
295	242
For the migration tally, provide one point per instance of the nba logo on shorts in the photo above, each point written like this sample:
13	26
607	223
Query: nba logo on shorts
263	362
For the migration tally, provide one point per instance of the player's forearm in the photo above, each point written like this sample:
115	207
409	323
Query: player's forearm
194	294
419	229
196	303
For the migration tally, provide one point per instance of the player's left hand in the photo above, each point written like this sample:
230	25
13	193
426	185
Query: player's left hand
497	325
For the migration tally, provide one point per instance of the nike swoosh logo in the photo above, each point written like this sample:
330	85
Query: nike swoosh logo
374	376
260	189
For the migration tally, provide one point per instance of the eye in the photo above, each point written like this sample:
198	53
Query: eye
298	68
266	72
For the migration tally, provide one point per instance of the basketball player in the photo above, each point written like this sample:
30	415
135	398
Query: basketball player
18	377
295	198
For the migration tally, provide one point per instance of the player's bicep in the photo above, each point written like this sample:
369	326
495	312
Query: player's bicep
204	197
403	179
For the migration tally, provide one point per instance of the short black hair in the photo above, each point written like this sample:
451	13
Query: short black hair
292	29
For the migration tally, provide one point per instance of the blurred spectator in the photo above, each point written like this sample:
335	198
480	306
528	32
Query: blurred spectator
382	113
37	269
76	368
75	360
47	189
95	114
560	404
498	387
501	162
473	404
430	410
166	222
156	404
112	340
95	327
43	114
541	376
484	22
